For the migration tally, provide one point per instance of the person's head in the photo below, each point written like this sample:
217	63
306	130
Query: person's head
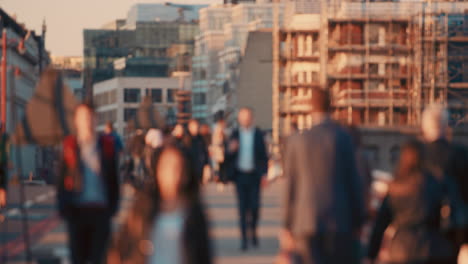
154	138
205	130
320	102
245	117
434	123
193	127
109	127
84	121
178	131
411	159
173	174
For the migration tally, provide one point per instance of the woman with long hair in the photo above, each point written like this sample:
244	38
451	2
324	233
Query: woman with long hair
413	206
167	224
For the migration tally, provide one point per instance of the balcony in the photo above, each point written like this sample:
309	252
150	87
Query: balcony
374	98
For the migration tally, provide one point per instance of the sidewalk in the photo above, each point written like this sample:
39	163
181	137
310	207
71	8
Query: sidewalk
222	211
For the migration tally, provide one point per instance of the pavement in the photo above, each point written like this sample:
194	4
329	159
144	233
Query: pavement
49	241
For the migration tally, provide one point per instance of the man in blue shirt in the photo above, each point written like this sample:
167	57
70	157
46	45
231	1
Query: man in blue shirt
248	162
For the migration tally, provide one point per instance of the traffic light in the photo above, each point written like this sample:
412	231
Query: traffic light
184	106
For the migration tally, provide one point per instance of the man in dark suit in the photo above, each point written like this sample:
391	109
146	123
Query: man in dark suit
324	205
248	168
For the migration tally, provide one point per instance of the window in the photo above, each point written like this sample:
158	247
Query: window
129	113
199	99
156	95
373	68
171	95
132	95
315	77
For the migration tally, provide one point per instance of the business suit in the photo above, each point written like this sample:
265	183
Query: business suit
248	182
324	204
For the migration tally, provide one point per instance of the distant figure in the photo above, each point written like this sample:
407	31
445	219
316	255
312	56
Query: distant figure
198	149
88	188
109	130
248	168
4	150
324	203
413	208
154	139
218	150
181	136
167	223
446	160
205	133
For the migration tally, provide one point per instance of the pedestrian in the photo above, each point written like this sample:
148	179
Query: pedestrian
109	130
4	150
167	224
324	204
413	206
205	133
447	161
198	149
218	149
88	188
248	169
181	136
153	140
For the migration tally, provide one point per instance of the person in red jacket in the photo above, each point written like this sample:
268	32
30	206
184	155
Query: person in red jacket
88	188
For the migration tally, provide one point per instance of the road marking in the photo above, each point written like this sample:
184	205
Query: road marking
13	212
41	198
29	204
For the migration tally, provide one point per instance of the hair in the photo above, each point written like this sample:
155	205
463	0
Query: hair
247	108
110	124
189	187
435	121
410	163
86	105
320	102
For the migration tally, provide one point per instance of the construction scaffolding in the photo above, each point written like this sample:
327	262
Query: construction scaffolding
382	62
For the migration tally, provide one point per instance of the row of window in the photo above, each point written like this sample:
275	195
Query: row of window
133	95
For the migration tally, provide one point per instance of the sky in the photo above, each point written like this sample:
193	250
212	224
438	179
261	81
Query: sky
66	19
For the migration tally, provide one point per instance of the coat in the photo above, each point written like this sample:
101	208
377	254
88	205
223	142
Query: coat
323	187
413	209
70	175
260	156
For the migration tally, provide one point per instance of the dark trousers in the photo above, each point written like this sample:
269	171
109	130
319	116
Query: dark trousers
88	235
248	197
329	248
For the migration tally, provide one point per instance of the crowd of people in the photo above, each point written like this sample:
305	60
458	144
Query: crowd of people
327	191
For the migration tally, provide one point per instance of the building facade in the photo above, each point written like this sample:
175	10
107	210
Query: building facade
383	63
219	48
117	100
26	57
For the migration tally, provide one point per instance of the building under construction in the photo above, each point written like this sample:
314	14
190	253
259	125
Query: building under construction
382	62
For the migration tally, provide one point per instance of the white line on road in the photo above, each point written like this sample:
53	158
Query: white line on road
13	212
29	204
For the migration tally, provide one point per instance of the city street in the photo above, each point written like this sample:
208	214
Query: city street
49	239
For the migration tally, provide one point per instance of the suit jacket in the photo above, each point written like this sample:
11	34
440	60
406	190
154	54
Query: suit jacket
70	176
323	189
260	155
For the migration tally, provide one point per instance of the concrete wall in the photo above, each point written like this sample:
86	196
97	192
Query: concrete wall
255	79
